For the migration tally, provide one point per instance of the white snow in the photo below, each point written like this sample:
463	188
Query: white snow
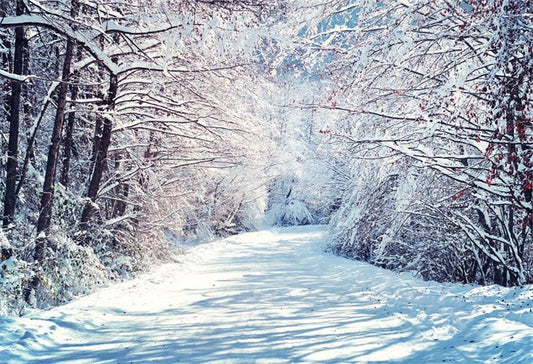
15	77
276	297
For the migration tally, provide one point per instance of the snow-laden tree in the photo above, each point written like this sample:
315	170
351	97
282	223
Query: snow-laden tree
445	85
302	186
144	121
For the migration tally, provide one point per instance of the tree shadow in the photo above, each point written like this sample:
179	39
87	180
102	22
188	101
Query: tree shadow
282	305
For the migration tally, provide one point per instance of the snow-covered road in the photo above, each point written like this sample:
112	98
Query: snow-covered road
275	297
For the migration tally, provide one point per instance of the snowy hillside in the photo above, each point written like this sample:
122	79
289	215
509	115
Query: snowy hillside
276	297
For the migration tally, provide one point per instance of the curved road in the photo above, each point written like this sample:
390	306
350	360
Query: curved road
275	297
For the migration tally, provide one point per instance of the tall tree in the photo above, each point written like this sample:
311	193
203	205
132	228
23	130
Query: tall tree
14	119
47	197
101	148
446	85
68	143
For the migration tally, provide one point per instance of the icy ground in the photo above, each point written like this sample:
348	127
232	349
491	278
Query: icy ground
275	297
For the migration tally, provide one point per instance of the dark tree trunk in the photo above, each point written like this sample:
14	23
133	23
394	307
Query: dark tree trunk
30	147
27	96
43	223
69	130
69	142
29	99
5	43
47	198
10	197
69	138
121	191
97	137
100	156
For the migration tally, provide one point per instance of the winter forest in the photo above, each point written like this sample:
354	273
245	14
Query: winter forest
405	126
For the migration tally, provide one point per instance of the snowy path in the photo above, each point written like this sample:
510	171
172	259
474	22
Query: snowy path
272	297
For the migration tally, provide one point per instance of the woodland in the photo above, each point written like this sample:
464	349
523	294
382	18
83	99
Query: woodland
129	126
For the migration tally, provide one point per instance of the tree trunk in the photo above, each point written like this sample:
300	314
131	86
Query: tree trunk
68	142
10	197
43	222
100	156
5	43
69	139
47	198
121	191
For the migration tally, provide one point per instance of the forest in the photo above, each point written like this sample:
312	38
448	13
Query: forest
405	126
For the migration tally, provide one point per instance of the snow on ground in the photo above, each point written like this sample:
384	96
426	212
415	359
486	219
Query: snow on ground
275	297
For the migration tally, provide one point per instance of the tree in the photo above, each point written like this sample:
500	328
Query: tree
152	96
14	120
444	84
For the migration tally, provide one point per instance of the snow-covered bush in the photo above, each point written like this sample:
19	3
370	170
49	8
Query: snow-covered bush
294	212
69	270
394	218
14	275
